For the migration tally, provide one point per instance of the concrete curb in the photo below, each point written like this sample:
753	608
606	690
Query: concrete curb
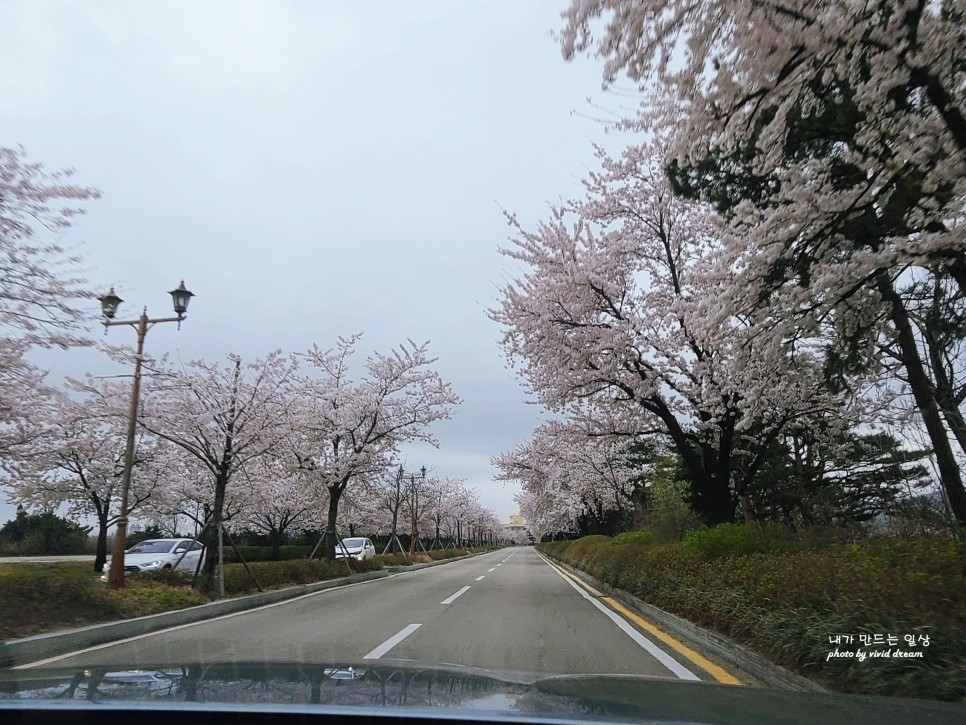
738	656
20	651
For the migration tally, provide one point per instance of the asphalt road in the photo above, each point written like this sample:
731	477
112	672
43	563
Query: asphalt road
45	559
507	611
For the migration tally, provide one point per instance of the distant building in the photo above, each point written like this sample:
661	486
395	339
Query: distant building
517	529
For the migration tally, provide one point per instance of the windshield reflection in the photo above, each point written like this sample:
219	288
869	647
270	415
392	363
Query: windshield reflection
331	684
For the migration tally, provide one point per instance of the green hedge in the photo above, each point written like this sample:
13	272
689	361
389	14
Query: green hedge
37	598
787	603
264	553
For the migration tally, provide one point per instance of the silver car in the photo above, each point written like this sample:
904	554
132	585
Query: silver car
158	554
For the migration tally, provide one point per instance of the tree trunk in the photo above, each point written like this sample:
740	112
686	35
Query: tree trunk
100	552
331	539
924	394
710	482
945	394
393	540
747	509
802	486
276	544
210	541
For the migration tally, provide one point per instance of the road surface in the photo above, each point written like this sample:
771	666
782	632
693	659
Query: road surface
508	611
46	559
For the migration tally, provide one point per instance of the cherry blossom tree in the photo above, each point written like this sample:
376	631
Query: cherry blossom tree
619	322
832	137
354	428
78	461
278	499
224	416
568	474
24	397
41	287
389	492
442	500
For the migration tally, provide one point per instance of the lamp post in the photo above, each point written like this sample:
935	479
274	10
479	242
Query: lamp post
109	304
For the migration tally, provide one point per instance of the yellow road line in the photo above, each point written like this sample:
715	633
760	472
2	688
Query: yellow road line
716	671
581	582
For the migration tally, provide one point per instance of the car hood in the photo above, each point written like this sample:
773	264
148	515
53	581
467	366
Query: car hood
450	691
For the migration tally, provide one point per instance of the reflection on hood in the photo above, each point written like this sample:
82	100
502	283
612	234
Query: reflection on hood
455	690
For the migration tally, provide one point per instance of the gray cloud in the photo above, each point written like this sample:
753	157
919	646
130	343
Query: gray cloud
311	170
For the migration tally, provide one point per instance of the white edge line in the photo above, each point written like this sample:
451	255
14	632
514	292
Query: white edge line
660	655
392	642
452	598
481	578
95	648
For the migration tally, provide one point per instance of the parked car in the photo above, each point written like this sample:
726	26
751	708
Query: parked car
355	548
158	554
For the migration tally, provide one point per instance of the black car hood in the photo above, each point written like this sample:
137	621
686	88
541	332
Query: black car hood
446	692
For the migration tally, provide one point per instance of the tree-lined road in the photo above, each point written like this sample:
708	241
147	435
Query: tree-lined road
507	611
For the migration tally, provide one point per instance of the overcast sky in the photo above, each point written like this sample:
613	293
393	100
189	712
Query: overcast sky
311	169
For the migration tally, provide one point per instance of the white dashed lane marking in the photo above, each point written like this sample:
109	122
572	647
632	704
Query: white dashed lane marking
453	597
391	642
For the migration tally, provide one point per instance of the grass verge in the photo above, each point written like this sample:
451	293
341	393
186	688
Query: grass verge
39	598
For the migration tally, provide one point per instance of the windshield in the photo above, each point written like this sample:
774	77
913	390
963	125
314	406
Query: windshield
543	342
152	547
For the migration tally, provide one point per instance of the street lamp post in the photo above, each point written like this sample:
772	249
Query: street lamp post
109	304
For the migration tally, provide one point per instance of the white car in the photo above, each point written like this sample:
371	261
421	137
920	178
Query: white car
158	554
355	548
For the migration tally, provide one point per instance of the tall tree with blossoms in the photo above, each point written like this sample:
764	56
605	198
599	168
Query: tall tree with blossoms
225	417
278	499
79	461
619	319
573	474
42	290
353	428
832	135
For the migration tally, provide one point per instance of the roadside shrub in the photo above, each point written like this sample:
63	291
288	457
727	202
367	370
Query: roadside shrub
141	597
739	540
437	554
633	537
786	603
171	577
669	516
264	553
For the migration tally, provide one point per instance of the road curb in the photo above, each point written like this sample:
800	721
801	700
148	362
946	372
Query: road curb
29	649
738	656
